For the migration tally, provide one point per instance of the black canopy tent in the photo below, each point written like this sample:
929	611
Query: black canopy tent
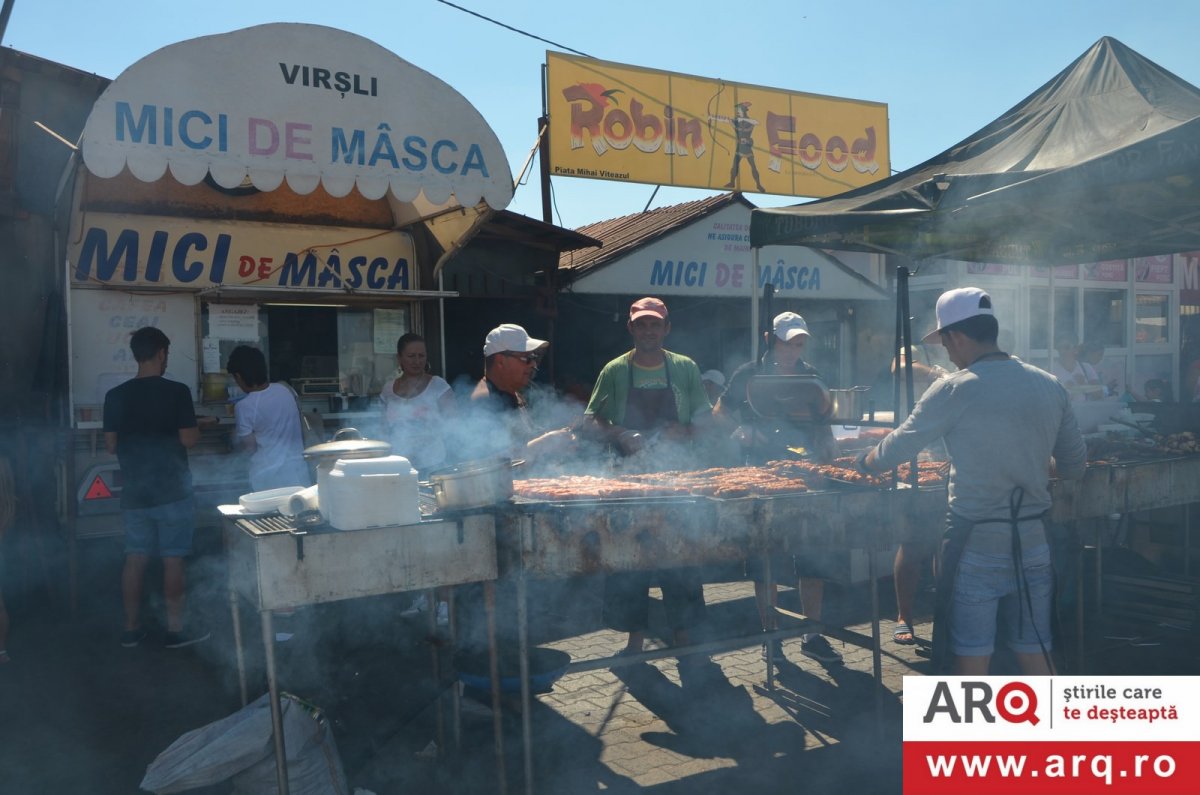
1102	162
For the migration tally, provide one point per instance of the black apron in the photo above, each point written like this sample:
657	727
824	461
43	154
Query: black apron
954	541
649	409
626	597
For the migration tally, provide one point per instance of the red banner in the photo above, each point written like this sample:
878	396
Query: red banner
1154	270
1051	768
1109	270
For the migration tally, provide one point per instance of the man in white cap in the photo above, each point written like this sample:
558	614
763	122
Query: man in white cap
714	384
763	440
1008	428
511	359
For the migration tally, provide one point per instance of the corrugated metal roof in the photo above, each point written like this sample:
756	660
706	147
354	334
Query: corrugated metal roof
620	236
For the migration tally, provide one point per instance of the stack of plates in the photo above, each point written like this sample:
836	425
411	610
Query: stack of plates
267	501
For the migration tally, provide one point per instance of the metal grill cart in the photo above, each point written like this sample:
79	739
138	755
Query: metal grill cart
274	565
569	538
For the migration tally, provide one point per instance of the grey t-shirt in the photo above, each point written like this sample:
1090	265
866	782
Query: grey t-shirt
1001	420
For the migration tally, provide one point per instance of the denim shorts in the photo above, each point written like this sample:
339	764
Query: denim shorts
986	596
164	529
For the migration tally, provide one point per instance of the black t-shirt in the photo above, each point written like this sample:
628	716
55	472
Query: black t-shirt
780	433
147	414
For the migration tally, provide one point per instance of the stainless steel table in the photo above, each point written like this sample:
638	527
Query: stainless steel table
275	566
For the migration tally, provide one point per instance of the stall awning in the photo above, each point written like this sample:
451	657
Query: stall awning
302	103
303	106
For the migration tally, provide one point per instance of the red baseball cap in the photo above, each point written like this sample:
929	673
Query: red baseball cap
647	307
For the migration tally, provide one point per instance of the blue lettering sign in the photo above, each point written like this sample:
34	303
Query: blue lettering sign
95	249
660	274
437	161
331	274
351	151
474	160
415	146
183	270
298	274
185	134
383	149
146	125
158	249
355	279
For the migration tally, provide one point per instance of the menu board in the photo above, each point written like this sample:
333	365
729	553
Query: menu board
1109	270
101	323
1154	270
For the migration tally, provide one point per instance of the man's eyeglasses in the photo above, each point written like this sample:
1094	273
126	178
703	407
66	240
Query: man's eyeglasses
528	358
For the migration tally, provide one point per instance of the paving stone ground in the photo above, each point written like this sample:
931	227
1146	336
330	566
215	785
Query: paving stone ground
710	724
83	715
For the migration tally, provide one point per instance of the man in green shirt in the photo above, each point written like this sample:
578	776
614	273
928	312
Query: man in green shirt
644	397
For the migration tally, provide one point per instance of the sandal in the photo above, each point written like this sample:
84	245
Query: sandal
903	634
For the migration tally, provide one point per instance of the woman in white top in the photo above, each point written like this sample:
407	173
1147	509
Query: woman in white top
1078	377
268	424
416	405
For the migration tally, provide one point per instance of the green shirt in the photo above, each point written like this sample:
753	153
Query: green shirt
611	392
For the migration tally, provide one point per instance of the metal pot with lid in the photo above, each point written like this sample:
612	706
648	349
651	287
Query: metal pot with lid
473	484
346	443
849	405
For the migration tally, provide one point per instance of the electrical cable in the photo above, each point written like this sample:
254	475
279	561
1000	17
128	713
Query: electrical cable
514	30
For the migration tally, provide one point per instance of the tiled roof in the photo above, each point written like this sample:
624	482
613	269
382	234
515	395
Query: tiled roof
620	236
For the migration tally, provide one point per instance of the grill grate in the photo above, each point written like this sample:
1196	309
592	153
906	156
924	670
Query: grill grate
267	524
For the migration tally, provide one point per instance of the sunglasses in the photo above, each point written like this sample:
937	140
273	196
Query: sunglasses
528	358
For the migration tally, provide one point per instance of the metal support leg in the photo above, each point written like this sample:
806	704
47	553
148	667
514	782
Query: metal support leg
237	644
489	605
876	645
281	773
1080	646
435	663
772	622
526	698
1187	540
456	689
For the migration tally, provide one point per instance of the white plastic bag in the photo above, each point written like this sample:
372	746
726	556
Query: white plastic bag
240	747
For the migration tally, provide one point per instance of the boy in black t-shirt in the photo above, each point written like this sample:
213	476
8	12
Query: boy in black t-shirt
149	424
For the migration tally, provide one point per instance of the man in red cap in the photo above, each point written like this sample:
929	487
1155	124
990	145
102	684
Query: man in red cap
649	393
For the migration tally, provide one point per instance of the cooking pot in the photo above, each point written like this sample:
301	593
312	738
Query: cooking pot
849	405
473	484
346	443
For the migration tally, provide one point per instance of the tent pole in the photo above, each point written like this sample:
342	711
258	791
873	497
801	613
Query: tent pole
754	305
1051	306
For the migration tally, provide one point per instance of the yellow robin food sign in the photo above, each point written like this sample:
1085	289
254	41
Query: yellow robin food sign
629	124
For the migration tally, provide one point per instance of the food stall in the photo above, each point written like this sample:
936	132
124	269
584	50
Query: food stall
230	194
571	525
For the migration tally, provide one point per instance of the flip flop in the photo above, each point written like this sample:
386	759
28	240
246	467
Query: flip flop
904	628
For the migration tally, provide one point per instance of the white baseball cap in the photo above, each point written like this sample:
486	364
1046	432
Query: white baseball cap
713	376
789	325
955	306
510	337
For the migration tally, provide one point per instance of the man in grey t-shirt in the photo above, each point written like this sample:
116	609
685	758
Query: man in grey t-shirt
1008	427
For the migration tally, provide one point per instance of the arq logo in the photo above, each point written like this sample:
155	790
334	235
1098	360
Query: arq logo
1015	702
